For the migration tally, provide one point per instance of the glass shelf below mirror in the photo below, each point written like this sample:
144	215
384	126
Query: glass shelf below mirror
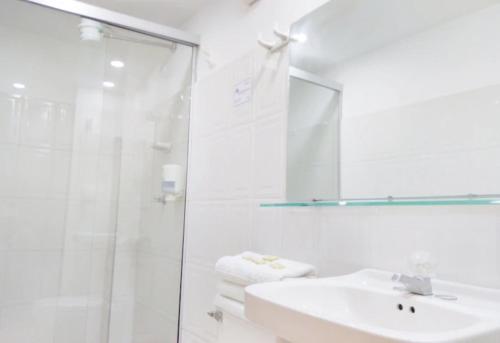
473	201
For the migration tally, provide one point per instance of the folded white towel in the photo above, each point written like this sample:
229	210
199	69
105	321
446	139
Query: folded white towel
249	268
231	290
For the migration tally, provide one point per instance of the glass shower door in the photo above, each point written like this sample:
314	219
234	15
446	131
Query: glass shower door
93	155
50	210
151	102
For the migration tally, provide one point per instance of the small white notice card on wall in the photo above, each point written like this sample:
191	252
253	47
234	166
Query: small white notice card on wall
242	92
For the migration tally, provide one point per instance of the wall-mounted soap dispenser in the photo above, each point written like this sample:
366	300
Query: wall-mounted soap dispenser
173	182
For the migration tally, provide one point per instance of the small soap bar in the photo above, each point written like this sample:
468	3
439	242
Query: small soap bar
271	258
249	259
277	265
254	260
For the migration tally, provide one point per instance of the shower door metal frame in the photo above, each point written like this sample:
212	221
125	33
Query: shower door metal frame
155	30
121	20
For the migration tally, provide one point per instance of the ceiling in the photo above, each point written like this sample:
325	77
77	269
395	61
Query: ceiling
172	13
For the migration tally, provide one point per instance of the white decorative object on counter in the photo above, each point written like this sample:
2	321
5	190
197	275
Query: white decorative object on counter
423	263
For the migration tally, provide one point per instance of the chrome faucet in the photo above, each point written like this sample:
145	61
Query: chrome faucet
414	284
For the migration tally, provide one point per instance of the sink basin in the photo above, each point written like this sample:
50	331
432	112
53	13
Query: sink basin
365	307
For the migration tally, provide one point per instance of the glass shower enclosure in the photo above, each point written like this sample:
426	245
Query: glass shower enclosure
94	117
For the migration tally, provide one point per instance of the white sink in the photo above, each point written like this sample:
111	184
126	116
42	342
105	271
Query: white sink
364	307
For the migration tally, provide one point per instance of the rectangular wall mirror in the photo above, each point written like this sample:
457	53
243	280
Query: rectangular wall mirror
313	137
419	84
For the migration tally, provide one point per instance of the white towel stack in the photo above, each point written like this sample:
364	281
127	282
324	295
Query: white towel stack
237	272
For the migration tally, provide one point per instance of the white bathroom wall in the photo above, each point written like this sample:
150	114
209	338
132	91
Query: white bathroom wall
237	152
237	160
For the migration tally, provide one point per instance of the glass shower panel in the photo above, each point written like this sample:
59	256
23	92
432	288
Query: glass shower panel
52	168
93	153
149	108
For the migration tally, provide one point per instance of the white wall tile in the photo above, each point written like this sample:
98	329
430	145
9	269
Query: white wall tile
198	295
161	229
70	325
36	224
130	178
30	275
165	292
240	71
100	275
217	229
121	324
63	127
60	173
209	116
301	235
33	172
207	170
267	231
269	158
10	118
96	315
80	224
189	337
8	169
76	271
151	326
271	79
238	173
126	269
345	247
37	123
27	323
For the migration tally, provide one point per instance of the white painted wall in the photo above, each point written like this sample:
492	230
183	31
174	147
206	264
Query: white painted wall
238	160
